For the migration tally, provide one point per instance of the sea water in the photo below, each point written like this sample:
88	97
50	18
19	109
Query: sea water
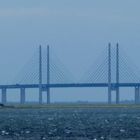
70	124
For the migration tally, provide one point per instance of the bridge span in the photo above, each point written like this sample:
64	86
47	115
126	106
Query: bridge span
70	85
22	88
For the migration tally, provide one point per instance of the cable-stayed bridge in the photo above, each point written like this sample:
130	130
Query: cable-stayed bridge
44	71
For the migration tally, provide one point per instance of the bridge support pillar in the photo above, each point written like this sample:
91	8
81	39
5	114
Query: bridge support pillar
22	95
117	95
4	96
137	95
109	95
48	96
40	95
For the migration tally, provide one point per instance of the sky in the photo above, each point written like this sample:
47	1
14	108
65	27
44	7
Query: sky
77	30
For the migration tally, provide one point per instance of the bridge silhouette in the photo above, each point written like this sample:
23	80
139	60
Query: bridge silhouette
113	73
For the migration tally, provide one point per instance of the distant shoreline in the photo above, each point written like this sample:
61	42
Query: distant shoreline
69	106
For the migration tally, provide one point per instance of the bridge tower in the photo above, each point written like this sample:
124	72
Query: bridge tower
48	74
40	74
109	73
117	75
110	88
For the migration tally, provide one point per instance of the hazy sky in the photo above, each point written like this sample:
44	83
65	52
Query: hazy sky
78	30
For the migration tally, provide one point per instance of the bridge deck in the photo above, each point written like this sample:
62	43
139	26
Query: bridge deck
70	85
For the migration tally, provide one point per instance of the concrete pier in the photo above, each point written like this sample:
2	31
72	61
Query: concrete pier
117	95
22	95
137	95
4	96
48	95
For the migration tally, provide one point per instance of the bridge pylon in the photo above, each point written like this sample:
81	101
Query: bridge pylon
109	73
40	74
110	88
117	75
48	74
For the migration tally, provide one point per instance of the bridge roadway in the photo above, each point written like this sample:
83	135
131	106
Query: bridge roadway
69	85
46	87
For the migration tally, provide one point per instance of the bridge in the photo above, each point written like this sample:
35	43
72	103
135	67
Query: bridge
113	74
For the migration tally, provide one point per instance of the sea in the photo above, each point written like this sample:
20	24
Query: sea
70	124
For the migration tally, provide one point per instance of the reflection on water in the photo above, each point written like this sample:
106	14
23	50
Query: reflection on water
69	124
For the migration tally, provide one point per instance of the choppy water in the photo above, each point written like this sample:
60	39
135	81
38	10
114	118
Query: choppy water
69	124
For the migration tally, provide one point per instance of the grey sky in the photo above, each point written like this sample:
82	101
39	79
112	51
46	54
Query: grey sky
78	30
